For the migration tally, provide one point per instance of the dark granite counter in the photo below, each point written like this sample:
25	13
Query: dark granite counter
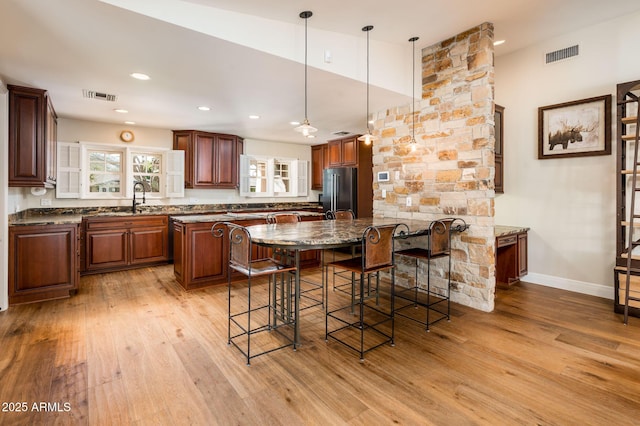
234	216
502	231
328	233
54	219
213	211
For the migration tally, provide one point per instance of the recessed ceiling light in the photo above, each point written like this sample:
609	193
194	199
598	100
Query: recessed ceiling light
121	110
140	76
204	108
130	122
294	123
254	117
498	42
311	136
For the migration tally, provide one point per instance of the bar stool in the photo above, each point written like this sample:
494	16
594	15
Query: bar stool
434	301
372	319
257	313
348	287
346	214
308	289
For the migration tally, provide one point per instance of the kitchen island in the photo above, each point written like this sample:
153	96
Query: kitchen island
201	260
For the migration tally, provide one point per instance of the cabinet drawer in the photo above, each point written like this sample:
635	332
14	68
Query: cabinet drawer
125	222
506	240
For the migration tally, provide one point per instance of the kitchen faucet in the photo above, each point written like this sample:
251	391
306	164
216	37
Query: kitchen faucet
144	193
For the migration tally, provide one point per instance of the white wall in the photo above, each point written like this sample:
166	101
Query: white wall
70	130
569	204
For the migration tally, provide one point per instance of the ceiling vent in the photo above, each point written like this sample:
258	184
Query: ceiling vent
92	94
562	54
341	133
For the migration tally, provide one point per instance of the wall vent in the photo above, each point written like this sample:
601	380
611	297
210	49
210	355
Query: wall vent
561	54
92	94
341	133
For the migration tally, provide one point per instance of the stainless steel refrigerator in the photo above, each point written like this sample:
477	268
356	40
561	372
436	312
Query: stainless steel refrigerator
340	189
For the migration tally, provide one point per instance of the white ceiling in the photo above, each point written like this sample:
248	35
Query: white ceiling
255	62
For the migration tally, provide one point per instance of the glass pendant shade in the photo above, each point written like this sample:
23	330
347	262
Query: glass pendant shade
305	128
367	138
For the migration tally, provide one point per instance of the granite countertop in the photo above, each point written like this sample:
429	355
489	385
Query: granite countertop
502	231
56	219
234	216
191	213
330	233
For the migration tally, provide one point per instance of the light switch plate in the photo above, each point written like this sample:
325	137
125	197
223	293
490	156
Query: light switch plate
408	201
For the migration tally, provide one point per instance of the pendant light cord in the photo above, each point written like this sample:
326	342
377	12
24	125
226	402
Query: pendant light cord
306	19
367	29
413	91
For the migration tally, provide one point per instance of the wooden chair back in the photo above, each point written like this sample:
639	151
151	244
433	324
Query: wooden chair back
377	246
440	237
340	214
283	218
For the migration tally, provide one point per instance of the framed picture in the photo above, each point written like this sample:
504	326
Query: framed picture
575	129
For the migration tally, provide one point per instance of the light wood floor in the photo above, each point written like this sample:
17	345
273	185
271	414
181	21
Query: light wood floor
133	348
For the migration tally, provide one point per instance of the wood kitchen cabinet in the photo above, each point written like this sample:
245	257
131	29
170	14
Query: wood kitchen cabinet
199	258
319	161
499	161
211	159
347	152
511	255
33	128
116	243
43	262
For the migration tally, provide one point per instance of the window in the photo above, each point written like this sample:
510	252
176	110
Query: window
272	177
147	167
104	171
257	176
281	177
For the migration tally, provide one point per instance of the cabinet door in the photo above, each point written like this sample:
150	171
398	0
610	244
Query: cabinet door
106	249
183	141
51	140
523	253
178	251
335	153
207	255
317	165
499	133
148	244
26	137
350	152
203	160
226	162
34	274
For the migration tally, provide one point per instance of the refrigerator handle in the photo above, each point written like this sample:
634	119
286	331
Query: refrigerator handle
336	186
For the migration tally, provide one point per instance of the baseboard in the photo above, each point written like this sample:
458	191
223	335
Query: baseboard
592	289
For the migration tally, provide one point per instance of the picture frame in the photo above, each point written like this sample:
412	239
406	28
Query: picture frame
575	129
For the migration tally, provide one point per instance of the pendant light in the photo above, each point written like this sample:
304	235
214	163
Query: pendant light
367	138
305	128
413	96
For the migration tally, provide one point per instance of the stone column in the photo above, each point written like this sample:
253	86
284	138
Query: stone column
449	171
